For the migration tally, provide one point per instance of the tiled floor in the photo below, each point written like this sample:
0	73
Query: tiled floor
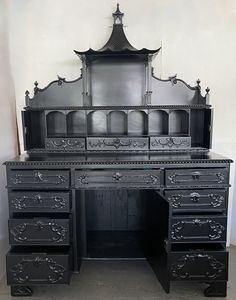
122	280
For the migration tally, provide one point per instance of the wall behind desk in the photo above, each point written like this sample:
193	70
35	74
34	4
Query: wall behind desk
197	38
8	139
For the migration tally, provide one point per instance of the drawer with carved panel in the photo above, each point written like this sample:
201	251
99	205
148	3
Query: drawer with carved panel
196	228
38	202
214	200
39	231
117	179
40	266
199	264
38	178
196	177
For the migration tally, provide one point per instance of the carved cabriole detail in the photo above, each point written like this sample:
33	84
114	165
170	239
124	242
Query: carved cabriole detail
65	144
216	200
215	268
21	271
118	143
216	230
170	142
38	178
20	202
196	176
19	232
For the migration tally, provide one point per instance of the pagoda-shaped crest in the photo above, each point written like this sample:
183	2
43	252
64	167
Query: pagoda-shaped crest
118	43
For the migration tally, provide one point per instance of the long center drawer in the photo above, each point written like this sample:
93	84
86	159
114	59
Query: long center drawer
117	179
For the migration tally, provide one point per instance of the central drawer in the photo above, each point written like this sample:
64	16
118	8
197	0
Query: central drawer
198	229
38	178
25	268
40	231
117	179
196	177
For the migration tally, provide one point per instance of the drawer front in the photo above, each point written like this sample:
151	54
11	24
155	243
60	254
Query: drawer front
65	144
40	268
195	200
131	143
39	231
208	266
34	202
38	178
198	229
163	143
196	177
117	178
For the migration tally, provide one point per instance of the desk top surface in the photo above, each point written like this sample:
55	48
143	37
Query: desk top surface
121	158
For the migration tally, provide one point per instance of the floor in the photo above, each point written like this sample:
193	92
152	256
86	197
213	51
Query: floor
122	280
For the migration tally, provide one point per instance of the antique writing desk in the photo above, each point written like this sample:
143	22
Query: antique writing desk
118	167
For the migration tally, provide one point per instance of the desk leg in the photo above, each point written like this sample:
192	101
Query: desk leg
21	291
216	289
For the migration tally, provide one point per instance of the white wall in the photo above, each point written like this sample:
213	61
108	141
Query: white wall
197	38
7	128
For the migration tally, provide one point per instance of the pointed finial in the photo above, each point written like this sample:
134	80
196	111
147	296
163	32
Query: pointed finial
27	98
117	15
198	82
36	87
207	90
27	93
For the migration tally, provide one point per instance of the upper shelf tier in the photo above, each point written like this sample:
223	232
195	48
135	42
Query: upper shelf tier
62	94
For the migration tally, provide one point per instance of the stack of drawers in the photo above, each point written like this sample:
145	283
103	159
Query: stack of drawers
39	228
197	226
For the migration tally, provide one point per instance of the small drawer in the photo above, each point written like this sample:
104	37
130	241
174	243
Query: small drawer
197	200
170	143
38	178
196	177
198	229
36	202
117	144
199	265
40	231
65	144
25	268
117	179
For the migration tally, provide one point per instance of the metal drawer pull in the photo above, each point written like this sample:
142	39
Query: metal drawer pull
117	176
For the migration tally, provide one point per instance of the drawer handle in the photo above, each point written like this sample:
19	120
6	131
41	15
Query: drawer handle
196	175
194	197
117	176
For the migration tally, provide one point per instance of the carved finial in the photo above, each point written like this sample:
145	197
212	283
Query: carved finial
173	79
60	80
207	90
27	98
117	15
198	82
36	87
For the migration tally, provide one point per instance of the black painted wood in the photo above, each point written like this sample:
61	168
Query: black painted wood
118	166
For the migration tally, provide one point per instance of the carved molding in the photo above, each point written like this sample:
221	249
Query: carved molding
215	231
170	142
117	143
39	201
38	178
181	270
19	232
21	272
64	144
216	200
